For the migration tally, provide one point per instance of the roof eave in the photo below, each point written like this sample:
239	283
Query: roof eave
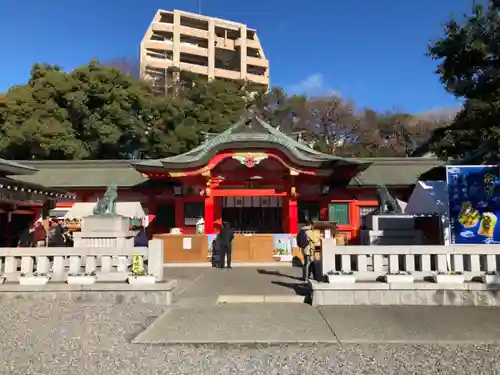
199	162
16	170
28	187
148	166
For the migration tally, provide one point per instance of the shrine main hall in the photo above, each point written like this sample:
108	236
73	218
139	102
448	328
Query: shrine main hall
253	176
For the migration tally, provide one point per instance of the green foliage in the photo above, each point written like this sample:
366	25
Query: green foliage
469	55
96	112
100	112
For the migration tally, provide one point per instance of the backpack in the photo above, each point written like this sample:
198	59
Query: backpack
302	239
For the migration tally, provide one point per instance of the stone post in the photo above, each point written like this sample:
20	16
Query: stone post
328	246
155	259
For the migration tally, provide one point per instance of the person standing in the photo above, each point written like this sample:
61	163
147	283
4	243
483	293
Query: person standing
225	243
27	238
307	242
40	234
141	238
56	234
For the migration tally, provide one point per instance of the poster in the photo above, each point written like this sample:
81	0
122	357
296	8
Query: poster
186	243
474	203
283	249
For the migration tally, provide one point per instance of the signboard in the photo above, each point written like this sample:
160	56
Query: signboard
474	203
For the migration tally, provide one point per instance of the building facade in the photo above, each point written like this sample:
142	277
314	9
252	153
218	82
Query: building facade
22	202
252	175
207	46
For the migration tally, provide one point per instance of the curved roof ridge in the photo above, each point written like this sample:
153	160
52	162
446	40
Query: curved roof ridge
278	133
204	147
251	129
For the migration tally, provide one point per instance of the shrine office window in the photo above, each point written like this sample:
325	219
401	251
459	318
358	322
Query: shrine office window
339	213
193	211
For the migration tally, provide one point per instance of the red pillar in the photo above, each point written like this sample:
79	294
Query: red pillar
209	215
323	213
179	212
217	213
293	216
285	215
293	213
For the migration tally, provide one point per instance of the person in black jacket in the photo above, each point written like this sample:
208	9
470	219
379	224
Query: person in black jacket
56	234
225	243
141	238
27	238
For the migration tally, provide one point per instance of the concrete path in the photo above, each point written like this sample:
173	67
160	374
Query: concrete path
239	324
241	305
413	324
300	323
205	286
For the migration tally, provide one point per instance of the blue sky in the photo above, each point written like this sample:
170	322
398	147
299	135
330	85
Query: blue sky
372	52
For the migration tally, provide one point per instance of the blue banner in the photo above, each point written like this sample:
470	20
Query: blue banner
474	201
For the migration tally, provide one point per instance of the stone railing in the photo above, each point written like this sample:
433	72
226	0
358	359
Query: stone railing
109	264
372	262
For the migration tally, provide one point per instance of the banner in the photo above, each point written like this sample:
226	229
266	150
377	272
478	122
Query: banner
474	203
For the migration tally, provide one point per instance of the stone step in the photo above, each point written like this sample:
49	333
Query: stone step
223	299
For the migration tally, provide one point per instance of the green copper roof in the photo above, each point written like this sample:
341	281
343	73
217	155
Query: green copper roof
79	174
8	167
251	132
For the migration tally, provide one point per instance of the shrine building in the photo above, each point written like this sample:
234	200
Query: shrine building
252	176
21	202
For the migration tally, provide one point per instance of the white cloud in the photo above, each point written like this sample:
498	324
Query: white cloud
313	85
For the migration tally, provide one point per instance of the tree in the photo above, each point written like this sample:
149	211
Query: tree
288	113
333	121
469	55
98	111
92	112
333	125
195	107
34	125
126	65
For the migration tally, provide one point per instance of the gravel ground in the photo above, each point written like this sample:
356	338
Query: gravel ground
37	337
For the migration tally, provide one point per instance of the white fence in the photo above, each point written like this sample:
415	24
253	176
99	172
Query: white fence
109	264
371	262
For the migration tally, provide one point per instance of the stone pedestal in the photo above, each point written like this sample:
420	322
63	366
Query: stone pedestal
104	231
390	230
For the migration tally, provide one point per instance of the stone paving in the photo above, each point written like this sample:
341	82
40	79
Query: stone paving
300	323
413	324
201	286
38	336
240	323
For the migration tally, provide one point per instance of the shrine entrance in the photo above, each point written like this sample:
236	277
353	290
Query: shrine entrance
250	215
